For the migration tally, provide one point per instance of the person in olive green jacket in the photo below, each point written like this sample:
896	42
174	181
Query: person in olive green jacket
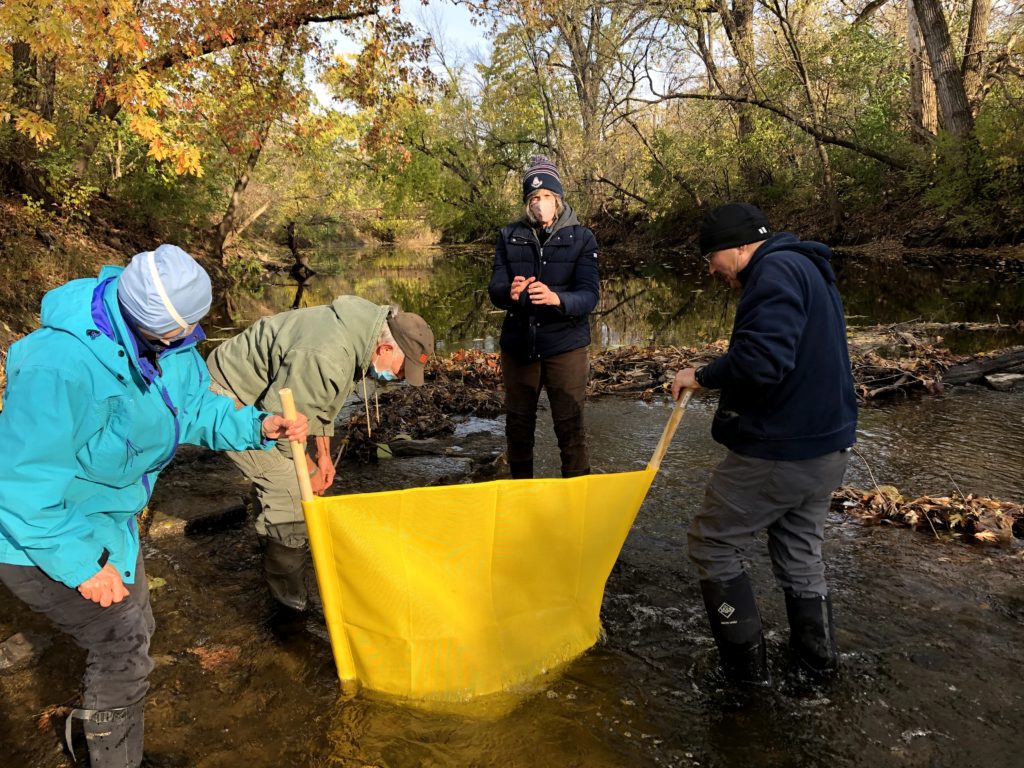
319	353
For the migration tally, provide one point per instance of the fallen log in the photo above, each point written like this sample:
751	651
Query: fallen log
1002	361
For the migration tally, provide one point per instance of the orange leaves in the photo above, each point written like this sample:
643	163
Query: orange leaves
183	157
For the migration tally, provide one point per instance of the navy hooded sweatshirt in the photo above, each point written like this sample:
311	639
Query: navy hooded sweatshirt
787	388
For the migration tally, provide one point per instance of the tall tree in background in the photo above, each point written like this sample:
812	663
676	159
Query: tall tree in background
949	80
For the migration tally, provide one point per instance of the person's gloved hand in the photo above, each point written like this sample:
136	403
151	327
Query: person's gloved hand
105	587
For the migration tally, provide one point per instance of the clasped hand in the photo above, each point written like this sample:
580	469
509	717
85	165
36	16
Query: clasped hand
538	292
321	472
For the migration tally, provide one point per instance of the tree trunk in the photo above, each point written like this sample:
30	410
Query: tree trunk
924	114
949	83
234	233
227	224
47	69
23	74
973	65
19	168
738	22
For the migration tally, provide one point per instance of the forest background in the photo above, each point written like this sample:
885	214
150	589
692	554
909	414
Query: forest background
220	123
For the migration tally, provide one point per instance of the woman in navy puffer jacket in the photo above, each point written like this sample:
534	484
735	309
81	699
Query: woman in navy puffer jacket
545	275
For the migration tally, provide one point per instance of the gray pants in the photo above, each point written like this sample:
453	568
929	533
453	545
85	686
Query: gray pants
275	493
116	638
788	498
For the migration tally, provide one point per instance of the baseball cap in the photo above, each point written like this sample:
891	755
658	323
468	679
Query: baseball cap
416	341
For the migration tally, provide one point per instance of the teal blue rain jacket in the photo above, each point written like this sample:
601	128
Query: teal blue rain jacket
87	426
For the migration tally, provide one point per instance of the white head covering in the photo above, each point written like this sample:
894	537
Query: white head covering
164	290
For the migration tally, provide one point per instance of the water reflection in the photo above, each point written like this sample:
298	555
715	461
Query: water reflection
662	298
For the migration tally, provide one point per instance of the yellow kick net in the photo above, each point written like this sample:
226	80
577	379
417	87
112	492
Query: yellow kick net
447	593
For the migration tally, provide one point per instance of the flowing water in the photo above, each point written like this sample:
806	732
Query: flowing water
931	629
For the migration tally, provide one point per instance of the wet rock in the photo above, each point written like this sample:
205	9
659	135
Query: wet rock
22	649
1003	382
164	526
218	520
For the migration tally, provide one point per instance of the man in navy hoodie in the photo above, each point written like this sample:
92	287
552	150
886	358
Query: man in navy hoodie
787	412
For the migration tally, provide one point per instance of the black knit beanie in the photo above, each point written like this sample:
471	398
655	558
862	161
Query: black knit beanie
541	174
731	225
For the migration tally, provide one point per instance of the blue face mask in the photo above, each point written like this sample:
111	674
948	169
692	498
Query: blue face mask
384	375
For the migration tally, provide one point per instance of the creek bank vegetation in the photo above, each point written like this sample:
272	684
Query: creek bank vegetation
216	121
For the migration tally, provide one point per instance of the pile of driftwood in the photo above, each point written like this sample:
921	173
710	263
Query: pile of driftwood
989	521
909	357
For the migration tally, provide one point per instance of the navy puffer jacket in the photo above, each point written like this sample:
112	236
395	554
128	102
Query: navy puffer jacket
567	264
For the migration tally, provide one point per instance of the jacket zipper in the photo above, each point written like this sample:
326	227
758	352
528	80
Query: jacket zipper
166	397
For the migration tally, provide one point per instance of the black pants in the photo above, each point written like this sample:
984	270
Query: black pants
564	377
116	638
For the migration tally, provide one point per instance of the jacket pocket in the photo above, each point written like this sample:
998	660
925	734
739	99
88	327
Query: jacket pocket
111	456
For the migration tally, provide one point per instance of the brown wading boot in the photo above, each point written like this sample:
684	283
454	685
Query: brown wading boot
114	736
285	570
736	626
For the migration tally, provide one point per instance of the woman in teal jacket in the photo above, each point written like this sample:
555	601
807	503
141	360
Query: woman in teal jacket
97	401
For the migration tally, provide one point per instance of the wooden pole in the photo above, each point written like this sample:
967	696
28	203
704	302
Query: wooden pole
670	430
298	449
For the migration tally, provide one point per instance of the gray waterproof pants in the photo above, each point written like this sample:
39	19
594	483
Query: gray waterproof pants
788	498
274	493
116	638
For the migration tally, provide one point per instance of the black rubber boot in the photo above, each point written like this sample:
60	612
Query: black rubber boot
810	634
114	736
521	470
285	571
736	626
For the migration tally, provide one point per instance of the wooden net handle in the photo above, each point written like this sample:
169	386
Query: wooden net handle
298	449
670	429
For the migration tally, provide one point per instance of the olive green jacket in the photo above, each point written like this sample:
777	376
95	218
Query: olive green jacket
317	352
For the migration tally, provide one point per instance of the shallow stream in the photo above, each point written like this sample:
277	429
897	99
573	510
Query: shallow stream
931	629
